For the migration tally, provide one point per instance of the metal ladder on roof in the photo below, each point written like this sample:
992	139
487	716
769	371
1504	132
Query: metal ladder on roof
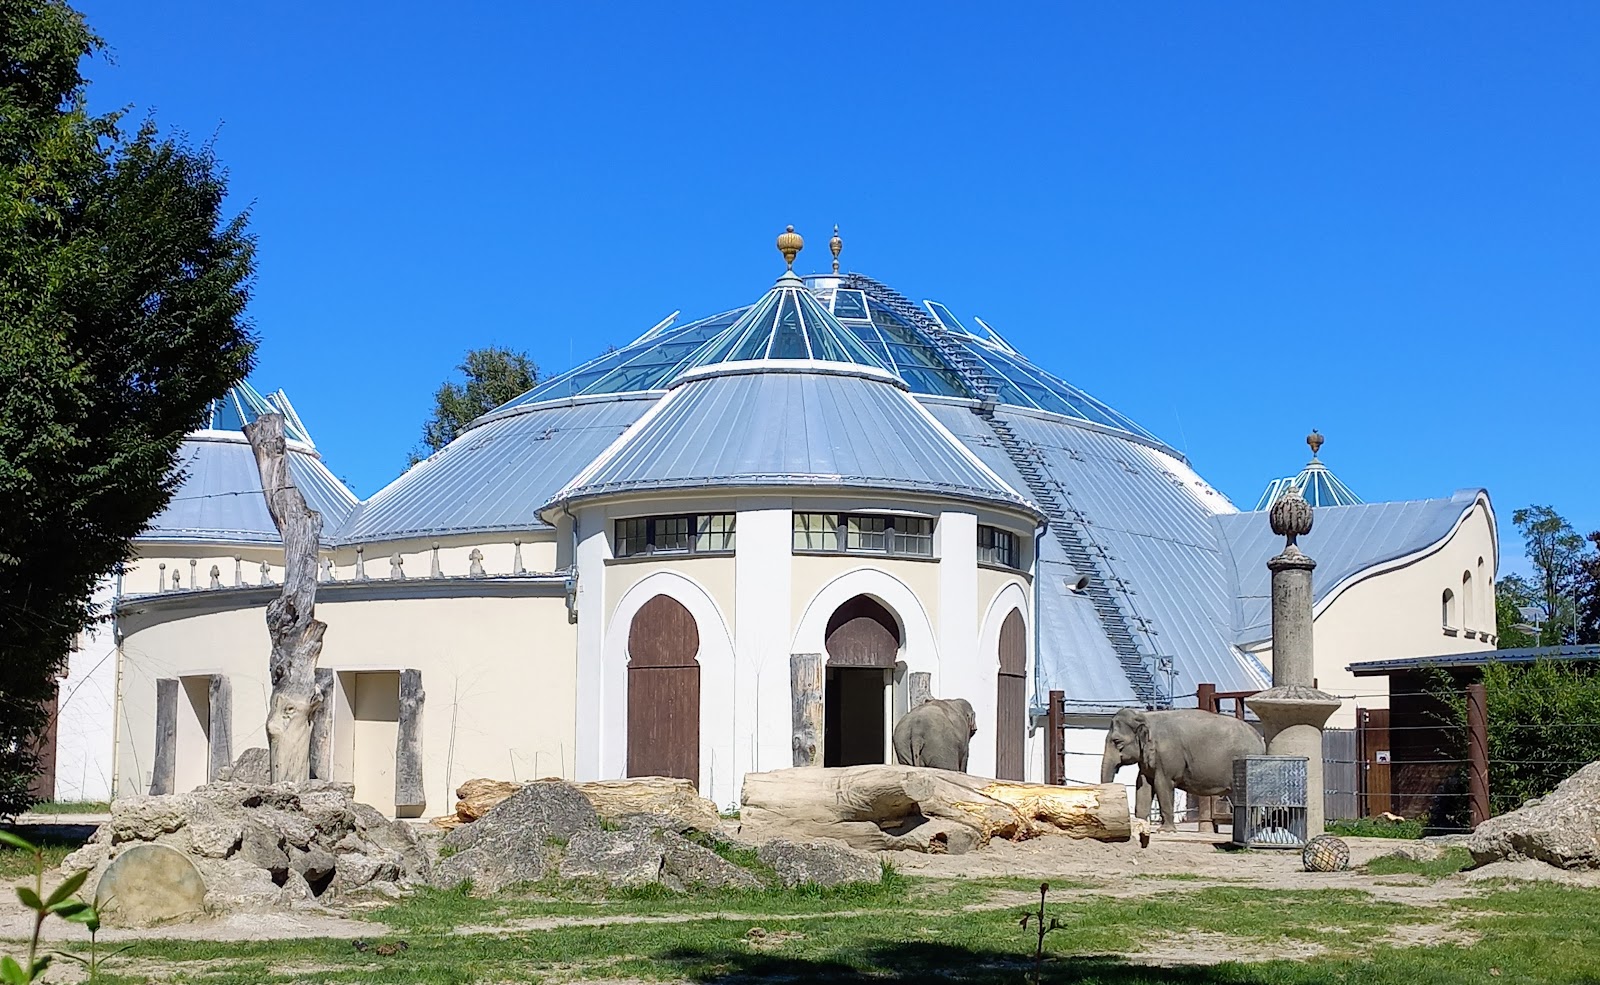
967	369
1086	558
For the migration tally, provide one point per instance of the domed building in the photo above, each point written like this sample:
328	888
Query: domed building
611	574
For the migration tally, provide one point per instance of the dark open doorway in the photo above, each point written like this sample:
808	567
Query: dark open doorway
863	642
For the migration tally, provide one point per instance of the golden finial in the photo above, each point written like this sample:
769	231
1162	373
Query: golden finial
834	246
1314	439
790	244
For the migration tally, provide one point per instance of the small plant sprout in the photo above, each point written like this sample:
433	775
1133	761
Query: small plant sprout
59	902
1043	928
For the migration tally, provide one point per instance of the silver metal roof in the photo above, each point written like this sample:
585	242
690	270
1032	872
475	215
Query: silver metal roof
496	475
220	498
1343	540
777	428
1154	540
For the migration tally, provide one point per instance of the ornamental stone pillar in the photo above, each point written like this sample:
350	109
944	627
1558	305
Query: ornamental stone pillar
1293	711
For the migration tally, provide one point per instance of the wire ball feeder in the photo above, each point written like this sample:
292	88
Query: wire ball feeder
1325	853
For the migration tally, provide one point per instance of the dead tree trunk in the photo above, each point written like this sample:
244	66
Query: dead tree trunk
920	809
295	631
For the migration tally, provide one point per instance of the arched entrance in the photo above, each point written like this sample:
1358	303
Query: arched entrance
664	691
863	640
1011	699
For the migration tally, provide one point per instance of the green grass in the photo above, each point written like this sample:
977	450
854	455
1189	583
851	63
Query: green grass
1376	827
1451	862
70	807
1542	934
16	863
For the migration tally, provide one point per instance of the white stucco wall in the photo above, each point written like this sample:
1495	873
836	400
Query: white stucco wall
84	709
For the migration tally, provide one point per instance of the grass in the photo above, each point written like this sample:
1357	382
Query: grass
1376	827
70	807
15	863
1543	934
1452	861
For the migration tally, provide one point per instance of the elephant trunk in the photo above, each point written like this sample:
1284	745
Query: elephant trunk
1110	762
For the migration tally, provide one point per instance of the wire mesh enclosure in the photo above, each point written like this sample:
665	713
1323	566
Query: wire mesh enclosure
1269	801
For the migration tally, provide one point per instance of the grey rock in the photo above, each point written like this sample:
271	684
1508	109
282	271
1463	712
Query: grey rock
314	865
263	845
631	857
685	865
1416	852
555	808
1562	829
491	872
148	818
149	884
824	862
253	766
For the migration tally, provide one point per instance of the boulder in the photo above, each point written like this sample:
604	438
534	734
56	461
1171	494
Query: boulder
630	857
554	808
1416	851
653	795
150	884
1560	829
685	865
475	797
823	862
493	870
253	766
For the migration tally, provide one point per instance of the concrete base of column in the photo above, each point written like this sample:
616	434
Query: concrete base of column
1292	717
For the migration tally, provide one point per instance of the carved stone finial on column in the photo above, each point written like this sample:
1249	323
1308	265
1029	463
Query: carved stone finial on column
161	580
361	564
177	581
266	573
433	568
238	571
193	564
216	577
476	570
397	568
1290	517
328	573
516	558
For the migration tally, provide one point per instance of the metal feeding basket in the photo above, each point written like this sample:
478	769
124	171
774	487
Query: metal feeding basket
1269	801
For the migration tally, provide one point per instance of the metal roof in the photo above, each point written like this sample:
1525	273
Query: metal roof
1317	484
496	475
811	428
1149	525
1517	655
1344	540
220	497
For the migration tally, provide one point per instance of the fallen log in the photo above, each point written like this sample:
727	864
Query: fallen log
913	808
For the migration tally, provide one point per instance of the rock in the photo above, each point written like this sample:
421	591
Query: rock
235	884
149	884
491	872
685	865
475	798
555	808
1527	870
148	818
314	866
1561	829
823	862
661	795
263	846
253	766
619	858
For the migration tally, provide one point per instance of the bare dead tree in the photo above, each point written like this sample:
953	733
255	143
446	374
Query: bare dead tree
291	622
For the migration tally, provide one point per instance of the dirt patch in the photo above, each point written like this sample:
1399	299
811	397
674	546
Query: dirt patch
1208	948
1529	870
1429	935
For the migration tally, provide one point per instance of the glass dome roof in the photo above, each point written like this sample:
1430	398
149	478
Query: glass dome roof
870	324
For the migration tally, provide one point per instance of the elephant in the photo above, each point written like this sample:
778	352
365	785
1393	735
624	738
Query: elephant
1185	749
936	733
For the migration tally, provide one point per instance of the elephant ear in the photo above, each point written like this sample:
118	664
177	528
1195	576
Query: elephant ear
1147	742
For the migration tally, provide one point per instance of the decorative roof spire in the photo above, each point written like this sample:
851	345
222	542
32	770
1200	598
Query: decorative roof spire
1314	439
834	246
790	244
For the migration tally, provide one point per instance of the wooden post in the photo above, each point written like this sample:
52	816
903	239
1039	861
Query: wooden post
43	786
291	622
806	675
1478	752
1206	807
1055	742
165	763
408	792
322	727
219	727
921	687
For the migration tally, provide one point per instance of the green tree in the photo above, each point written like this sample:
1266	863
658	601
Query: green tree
1511	594
122	297
493	376
1561	565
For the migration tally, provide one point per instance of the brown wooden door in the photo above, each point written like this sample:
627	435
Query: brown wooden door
862	633
1011	700
1372	740
664	691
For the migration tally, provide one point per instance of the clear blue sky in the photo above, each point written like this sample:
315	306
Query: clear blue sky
1232	223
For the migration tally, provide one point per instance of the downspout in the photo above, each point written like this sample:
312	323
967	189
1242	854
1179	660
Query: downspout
116	689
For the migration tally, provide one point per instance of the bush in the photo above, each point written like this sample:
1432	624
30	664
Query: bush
1376	827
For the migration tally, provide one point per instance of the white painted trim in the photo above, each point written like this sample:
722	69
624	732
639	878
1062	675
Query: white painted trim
1013	595
810	367
919	646
719	779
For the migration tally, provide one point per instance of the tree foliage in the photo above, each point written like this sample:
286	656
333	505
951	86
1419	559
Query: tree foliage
122	296
1563	584
493	376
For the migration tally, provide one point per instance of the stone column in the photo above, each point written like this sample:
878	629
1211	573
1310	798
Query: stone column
1293	711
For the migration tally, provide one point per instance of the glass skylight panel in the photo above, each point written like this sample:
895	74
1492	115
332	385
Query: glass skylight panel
788	332
945	318
850	304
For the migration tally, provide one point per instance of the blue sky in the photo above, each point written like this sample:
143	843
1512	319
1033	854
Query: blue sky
1232	223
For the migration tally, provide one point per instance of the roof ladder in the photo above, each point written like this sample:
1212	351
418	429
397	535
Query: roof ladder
968	370
1065	525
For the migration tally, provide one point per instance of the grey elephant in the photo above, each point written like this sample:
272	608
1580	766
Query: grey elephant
1184	749
936	733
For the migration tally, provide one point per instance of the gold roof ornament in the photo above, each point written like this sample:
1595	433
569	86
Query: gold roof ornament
834	246
1314	439
790	244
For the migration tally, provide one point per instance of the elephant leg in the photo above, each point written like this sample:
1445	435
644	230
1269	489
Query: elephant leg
1141	798
1164	789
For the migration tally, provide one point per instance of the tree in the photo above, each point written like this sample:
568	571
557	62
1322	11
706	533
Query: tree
494	376
1511	594
122	297
1561	571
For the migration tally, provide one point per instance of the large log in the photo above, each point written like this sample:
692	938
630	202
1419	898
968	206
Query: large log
164	767
291	622
920	809
219	727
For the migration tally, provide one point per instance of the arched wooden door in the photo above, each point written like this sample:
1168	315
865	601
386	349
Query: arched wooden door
664	691
1011	701
863	641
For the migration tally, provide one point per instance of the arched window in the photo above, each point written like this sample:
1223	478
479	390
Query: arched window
1469	615
1448	616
